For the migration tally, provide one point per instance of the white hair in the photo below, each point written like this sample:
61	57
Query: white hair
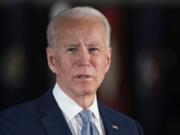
77	12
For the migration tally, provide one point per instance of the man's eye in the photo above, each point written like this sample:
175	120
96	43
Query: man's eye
93	50
71	50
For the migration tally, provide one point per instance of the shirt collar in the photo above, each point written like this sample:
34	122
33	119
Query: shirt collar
69	107
94	109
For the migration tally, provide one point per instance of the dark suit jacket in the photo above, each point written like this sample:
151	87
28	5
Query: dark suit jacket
43	117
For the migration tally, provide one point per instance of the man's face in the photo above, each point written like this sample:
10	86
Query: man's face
81	57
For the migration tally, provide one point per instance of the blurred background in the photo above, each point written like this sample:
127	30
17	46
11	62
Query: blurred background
143	80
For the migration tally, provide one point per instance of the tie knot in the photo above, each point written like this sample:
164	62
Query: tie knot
86	116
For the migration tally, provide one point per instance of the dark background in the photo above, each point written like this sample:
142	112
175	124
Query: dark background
143	81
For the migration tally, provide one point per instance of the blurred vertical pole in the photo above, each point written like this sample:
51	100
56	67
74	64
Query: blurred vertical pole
148	29
115	85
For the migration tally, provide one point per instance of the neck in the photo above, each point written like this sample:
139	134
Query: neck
85	101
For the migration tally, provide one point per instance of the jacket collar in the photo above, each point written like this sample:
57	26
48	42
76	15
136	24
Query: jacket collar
52	119
55	123
110	123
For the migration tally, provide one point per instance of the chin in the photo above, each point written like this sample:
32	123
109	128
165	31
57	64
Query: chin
86	90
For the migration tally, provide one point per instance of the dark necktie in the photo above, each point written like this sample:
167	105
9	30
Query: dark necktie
88	127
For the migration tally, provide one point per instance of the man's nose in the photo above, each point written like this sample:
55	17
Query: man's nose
84	57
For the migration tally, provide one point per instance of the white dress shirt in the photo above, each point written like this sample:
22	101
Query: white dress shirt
71	111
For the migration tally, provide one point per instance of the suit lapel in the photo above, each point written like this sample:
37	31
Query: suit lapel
110	124
52	118
54	123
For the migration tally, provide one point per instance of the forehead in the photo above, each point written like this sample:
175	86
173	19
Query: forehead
74	28
79	21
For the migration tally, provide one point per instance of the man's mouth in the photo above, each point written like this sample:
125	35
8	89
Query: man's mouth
84	76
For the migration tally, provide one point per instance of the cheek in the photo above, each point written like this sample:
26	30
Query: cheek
64	66
101	65
66	69
60	59
61	64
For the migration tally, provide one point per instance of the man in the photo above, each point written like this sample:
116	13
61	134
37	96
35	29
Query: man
79	54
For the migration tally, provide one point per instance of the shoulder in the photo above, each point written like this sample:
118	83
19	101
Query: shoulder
14	119
20	111
126	123
26	116
27	109
106	110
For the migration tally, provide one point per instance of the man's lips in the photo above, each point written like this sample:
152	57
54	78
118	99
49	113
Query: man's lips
84	76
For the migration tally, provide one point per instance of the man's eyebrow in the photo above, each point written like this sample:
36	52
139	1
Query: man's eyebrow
93	44
71	45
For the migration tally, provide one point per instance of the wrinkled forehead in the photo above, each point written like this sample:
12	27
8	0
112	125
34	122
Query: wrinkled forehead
74	28
71	22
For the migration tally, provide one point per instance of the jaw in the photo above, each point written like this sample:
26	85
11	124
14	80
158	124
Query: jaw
82	91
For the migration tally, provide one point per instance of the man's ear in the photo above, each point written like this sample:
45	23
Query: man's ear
51	59
108	58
